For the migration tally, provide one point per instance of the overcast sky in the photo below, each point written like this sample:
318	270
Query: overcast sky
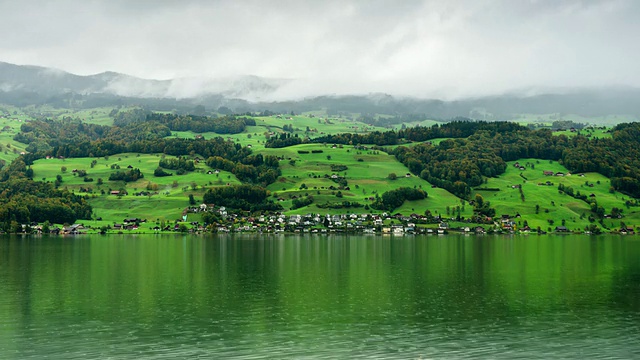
443	49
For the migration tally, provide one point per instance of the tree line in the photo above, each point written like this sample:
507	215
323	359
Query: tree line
23	200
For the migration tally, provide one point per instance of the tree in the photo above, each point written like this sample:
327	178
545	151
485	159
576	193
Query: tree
192	200
199	110
223	110
392	176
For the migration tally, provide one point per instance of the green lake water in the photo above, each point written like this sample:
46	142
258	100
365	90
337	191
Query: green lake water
251	297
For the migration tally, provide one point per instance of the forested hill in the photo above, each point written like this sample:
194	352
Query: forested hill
478	149
459	164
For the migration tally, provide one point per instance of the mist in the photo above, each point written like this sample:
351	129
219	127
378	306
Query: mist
425	49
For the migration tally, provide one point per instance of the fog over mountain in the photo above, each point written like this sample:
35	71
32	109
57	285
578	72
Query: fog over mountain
49	81
419	48
33	85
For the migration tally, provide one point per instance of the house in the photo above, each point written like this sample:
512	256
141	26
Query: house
561	229
547	173
559	174
627	230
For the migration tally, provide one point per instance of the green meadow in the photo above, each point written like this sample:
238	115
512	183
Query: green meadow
547	119
309	174
9	127
267	126
599	133
168	197
367	174
552	204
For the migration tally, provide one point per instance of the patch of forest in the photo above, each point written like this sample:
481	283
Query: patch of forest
23	200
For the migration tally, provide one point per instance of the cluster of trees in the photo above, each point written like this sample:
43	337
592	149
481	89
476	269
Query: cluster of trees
181	164
456	128
159	172
244	197
23	200
288	128
395	198
282	140
200	124
251	169
196	123
42	135
301	202
128	175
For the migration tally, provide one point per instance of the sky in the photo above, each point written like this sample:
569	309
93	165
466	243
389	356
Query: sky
436	49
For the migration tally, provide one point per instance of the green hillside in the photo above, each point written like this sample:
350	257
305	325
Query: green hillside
330	174
367	174
552	204
161	198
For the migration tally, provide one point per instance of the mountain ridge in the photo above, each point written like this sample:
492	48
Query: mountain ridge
23	85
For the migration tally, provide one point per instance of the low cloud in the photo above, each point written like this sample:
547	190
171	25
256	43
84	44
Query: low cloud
417	48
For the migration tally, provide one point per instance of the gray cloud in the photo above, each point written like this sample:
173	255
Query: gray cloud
419	48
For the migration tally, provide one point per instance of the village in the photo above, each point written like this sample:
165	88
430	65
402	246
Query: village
369	223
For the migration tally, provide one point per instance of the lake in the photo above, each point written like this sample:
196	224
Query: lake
279	296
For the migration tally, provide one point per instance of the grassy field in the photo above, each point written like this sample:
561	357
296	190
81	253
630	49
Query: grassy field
553	205
367	174
9	126
599	133
547	119
170	197
310	174
256	136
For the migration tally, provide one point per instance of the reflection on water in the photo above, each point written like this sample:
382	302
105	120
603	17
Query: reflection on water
150	296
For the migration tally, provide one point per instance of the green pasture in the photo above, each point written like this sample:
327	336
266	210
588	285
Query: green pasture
98	116
170	194
267	126
9	127
365	179
547	119
553	205
589	132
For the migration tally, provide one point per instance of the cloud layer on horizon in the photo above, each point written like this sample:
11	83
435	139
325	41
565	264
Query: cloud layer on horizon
419	48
